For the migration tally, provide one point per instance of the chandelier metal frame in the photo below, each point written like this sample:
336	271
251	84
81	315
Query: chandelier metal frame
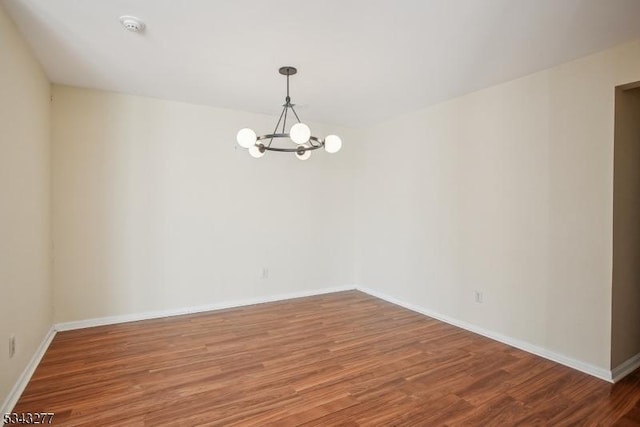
319	143
263	143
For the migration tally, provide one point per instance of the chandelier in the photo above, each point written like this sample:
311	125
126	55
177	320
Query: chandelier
299	133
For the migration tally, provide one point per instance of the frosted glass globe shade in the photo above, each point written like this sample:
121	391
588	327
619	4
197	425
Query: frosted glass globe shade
300	133
304	156
246	138
255	152
332	144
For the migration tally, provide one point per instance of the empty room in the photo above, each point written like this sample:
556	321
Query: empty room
334	213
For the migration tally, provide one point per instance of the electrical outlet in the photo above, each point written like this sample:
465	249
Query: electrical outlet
12	345
264	273
478	297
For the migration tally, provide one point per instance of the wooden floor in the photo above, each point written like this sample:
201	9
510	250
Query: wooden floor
343	359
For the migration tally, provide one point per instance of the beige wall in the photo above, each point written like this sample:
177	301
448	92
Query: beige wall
508	191
155	207
25	289
625	321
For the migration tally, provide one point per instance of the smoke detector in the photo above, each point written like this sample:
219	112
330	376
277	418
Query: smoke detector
132	23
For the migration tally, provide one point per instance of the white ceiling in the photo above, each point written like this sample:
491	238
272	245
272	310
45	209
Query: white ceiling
359	61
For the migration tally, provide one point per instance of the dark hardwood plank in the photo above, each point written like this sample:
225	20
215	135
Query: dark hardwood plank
339	359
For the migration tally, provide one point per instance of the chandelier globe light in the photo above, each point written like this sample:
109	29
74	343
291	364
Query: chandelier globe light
299	133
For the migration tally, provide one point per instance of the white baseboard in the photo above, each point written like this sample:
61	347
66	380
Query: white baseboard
625	368
595	371
21	384
110	320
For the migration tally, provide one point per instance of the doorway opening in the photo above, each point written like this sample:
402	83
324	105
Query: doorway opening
625	310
